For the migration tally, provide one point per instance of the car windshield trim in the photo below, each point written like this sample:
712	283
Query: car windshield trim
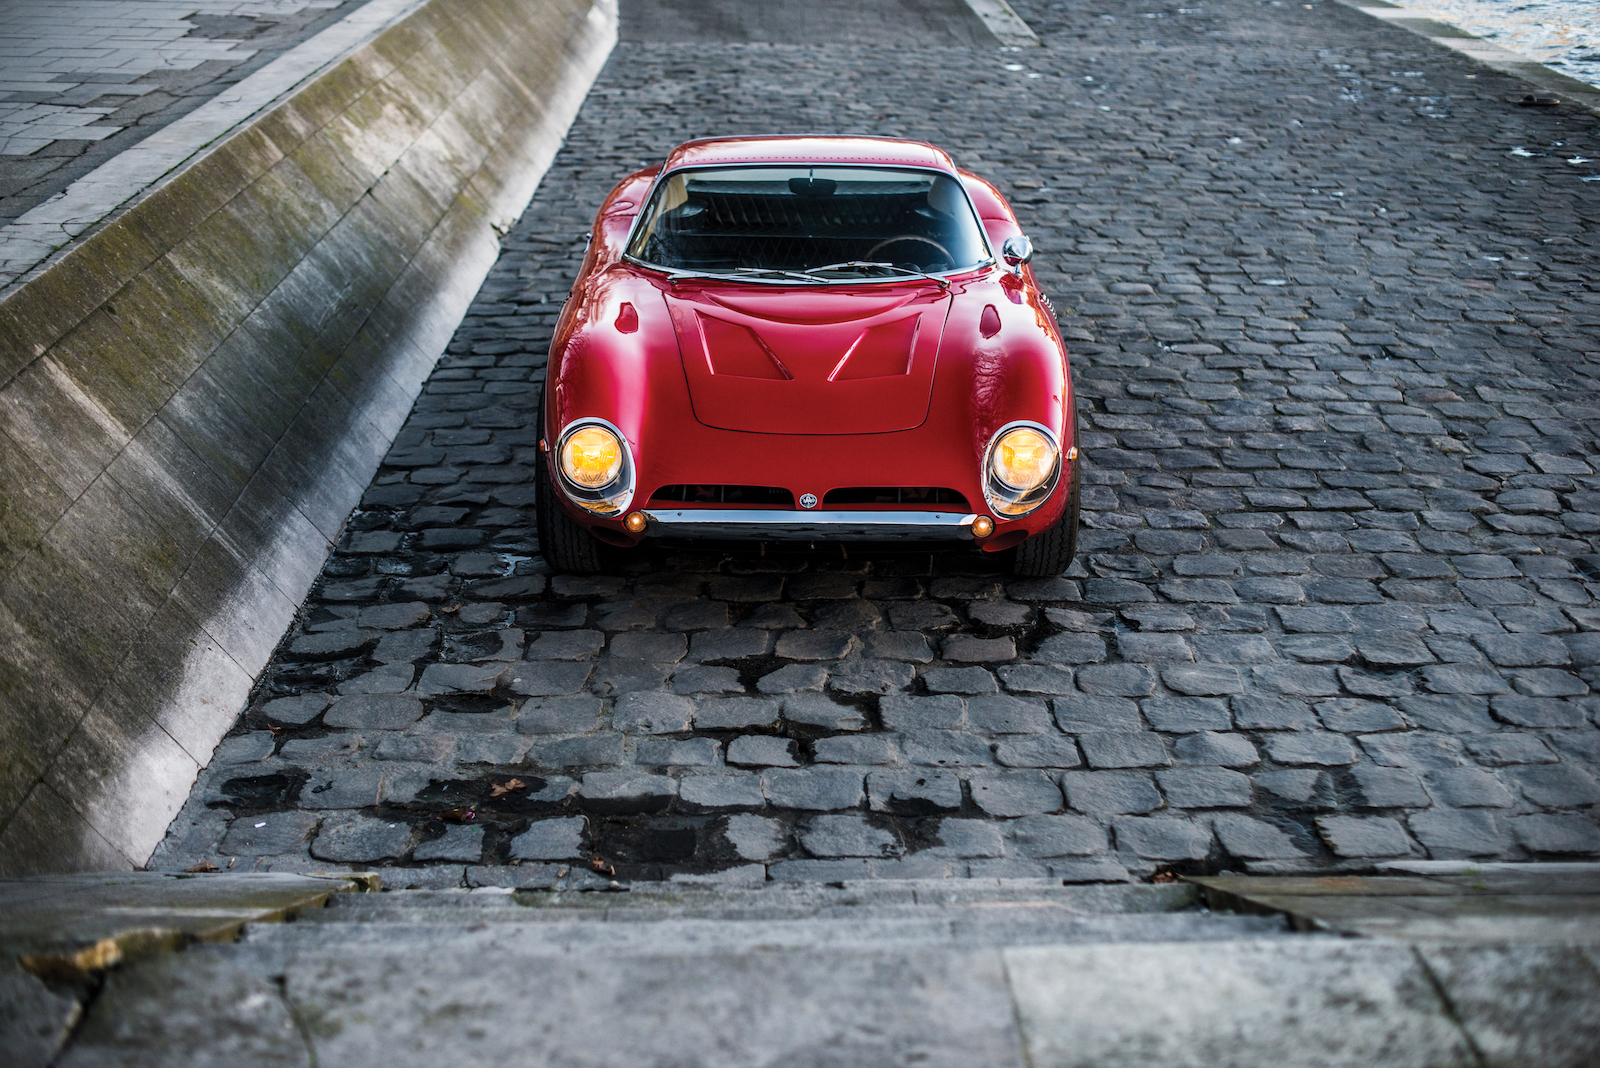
987	261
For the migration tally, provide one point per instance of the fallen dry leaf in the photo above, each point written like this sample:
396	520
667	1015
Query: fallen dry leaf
204	865
500	789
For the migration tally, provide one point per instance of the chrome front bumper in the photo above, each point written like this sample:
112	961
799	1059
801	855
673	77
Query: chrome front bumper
770	524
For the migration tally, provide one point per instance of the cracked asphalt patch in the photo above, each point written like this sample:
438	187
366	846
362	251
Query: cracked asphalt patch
1336	351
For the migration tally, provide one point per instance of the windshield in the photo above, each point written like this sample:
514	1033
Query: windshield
778	223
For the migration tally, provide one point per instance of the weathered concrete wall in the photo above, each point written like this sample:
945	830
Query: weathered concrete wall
192	401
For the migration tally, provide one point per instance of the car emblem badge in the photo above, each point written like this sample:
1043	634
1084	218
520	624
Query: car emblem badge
808	500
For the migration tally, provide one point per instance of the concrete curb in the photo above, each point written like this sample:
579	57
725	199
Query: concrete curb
1570	90
1006	25
195	396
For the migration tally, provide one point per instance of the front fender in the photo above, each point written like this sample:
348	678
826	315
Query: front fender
1018	372
616	358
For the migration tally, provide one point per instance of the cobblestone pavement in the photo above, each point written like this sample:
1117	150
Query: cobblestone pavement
1333	313
81	80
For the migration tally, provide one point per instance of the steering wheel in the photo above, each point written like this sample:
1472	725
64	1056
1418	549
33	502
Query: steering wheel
872	253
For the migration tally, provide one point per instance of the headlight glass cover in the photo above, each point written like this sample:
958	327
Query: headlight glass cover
595	467
1023	458
591	457
1021	468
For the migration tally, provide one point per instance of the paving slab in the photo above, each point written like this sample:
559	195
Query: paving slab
87	921
1518	903
1523	1004
61	936
908	1007
189	1009
1245	1004
1521	918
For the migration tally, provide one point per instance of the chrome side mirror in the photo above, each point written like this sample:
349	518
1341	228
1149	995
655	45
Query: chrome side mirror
1017	251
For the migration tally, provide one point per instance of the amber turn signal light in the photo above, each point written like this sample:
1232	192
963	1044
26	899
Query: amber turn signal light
982	527
635	522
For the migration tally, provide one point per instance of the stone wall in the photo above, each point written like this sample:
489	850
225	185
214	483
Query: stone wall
194	398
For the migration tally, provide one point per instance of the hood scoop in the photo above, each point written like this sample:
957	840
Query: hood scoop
736	351
809	363
882	351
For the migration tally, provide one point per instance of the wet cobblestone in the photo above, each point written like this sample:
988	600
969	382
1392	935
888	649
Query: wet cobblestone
1336	354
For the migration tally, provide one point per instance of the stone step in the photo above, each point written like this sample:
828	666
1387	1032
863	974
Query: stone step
929	974
675	992
656	921
664	900
971	926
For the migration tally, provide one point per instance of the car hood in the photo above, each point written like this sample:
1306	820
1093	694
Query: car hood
834	360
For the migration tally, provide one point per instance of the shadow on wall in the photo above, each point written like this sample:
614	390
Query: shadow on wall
194	398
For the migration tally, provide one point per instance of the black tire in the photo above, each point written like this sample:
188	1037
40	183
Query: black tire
1050	552
565	545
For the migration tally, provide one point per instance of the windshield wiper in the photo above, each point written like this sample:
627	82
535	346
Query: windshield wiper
675	274
774	272
809	275
944	283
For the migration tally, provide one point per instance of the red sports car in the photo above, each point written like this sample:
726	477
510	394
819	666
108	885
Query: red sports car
808	339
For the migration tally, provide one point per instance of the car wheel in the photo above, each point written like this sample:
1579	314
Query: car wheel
566	546
1050	552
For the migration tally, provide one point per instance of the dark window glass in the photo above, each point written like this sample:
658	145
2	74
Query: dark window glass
809	219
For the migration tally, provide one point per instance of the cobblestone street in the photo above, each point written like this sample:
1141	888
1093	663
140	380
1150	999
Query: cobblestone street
1334	322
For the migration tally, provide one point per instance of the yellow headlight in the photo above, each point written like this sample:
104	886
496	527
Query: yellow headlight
592	457
1023	459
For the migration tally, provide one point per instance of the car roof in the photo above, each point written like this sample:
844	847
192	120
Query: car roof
867	151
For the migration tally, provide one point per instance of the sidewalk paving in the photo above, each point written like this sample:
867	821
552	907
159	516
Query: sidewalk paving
82	80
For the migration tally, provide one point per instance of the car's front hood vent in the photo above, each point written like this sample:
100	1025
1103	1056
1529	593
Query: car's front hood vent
842	361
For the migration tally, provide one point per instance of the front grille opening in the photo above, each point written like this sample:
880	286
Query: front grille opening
704	493
909	496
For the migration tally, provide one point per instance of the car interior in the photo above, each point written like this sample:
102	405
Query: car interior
786	219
